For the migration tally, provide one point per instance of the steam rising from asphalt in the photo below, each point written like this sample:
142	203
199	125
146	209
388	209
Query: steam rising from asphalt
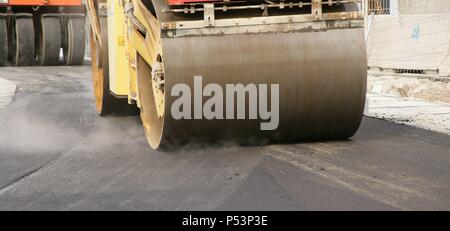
27	133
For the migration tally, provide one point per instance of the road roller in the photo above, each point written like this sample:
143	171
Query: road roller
245	71
42	32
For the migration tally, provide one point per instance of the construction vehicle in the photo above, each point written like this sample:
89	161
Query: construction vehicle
33	32
314	50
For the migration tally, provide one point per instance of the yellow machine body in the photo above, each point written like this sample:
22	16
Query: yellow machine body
313	50
119	59
123	45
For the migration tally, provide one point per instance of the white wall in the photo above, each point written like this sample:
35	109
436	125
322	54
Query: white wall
418	38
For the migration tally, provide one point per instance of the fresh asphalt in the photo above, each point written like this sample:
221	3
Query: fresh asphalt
57	154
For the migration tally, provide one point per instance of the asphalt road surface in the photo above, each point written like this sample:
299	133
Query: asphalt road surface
57	154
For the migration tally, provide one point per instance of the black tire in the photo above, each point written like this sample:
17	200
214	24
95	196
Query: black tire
3	42
49	45
105	102
24	42
74	45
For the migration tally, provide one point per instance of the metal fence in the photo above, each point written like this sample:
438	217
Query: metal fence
378	7
408	36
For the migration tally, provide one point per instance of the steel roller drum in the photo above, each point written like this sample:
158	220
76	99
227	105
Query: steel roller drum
321	77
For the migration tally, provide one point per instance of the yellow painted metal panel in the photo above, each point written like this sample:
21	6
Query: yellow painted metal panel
119	72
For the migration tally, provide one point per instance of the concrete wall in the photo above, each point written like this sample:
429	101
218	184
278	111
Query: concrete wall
418	38
423	6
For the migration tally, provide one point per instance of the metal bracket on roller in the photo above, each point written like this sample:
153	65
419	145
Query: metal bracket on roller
316	8
129	8
158	75
209	14
158	87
